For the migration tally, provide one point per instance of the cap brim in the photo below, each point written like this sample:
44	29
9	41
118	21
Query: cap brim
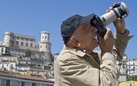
87	18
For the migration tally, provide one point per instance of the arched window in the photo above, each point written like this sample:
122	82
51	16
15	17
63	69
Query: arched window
46	47
21	43
31	45
26	44
17	42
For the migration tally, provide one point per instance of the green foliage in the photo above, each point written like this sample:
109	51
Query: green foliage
28	53
133	78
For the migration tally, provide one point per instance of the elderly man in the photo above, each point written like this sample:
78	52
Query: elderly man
78	64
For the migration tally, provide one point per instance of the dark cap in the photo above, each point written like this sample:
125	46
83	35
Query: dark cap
69	26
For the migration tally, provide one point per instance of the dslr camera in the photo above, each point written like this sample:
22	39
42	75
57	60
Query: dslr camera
120	10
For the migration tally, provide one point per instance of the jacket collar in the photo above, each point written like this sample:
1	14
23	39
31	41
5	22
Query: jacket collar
74	51
81	54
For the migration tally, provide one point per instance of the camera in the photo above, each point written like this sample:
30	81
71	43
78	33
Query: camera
120	10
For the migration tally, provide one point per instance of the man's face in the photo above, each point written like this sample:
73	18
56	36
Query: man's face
87	37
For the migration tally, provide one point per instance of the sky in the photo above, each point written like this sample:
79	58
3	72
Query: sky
30	17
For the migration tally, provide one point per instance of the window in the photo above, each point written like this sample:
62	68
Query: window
31	45
1	50
42	37
12	42
46	47
7	82
26	39
45	85
21	43
17	42
33	84
22	84
11	67
26	44
47	68
31	40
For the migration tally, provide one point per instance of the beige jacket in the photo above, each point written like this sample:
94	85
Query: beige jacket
75	68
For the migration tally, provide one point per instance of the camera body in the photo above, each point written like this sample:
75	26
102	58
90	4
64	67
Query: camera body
120	10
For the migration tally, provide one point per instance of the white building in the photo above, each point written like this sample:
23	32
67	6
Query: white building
135	61
22	80
123	69
8	63
44	44
17	44
8	66
132	67
30	57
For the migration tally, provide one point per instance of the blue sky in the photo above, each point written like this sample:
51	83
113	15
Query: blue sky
30	17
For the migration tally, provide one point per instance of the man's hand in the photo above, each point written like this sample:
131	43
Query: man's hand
119	23
106	43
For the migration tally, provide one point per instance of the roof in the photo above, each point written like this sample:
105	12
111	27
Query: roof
5	74
34	78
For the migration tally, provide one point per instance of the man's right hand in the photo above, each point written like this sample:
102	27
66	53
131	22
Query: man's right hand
106	43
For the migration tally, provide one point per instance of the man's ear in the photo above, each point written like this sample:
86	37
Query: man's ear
74	41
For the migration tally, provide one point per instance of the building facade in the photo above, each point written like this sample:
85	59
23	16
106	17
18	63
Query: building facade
21	41
123	69
29	58
21	80
132	67
128	67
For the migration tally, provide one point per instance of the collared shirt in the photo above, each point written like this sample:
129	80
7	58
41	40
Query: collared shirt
75	68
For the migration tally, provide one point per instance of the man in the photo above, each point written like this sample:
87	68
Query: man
78	64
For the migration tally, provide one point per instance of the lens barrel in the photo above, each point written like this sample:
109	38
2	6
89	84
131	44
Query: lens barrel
120	11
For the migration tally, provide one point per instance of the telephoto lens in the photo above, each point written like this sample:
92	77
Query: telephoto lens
120	10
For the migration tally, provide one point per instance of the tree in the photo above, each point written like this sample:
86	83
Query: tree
133	78
28	53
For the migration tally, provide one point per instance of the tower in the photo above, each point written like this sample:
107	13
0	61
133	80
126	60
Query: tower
44	44
7	39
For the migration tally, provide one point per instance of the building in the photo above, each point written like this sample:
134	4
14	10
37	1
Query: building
7	79
128	67
128	83
8	62
135	61
19	43
29	58
132	67
123	69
